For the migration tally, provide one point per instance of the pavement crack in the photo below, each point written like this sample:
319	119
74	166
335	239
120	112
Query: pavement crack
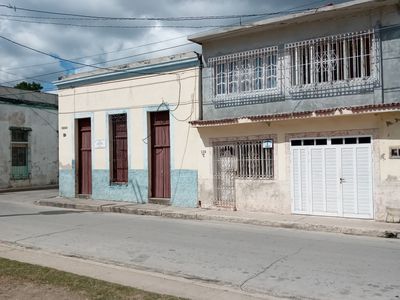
265	269
45	234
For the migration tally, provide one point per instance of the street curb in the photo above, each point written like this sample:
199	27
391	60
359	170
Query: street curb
29	188
131	209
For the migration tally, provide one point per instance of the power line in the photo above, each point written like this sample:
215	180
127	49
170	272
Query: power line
118	26
74	62
52	55
85	65
184	18
103	53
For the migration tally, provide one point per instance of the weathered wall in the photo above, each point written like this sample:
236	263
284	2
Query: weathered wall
343	23
275	195
43	144
137	97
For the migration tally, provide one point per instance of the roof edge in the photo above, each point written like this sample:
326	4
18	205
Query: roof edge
285	19
329	112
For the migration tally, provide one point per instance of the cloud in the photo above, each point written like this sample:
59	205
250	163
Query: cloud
98	45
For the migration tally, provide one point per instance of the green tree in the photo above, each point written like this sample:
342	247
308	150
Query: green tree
29	86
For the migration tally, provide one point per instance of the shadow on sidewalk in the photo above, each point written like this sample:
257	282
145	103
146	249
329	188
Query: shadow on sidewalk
46	213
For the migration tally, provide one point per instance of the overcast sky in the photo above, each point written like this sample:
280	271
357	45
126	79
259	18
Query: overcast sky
102	44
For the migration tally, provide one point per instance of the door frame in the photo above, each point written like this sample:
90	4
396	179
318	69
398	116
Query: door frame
339	171
149	142
77	117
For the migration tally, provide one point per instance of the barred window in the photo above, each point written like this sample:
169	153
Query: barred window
19	153
251	71
251	160
331	59
119	148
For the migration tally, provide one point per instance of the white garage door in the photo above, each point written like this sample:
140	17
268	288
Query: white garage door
332	176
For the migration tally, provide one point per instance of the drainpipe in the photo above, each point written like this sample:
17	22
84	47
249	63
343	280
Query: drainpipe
200	58
379	25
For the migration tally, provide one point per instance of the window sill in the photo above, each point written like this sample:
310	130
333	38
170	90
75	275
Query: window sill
118	183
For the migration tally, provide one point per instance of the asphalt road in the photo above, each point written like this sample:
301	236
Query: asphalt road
277	262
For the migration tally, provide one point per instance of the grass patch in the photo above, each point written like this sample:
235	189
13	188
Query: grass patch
85	286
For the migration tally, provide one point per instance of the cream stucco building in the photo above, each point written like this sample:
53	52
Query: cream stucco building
125	132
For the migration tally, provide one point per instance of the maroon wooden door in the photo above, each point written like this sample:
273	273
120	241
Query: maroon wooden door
85	157
160	155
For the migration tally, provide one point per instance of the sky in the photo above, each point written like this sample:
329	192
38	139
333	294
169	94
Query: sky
113	42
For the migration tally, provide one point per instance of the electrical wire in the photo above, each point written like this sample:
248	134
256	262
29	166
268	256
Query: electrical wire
102	53
184	18
53	56
118	26
94	65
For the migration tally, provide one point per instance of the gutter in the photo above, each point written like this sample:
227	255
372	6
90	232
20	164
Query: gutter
201	66
381	63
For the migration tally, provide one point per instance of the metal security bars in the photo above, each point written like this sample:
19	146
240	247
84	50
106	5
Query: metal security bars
239	160
254	161
250	72
345	58
119	149
19	153
343	64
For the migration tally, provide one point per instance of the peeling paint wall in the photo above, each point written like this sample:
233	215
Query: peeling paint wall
275	195
43	144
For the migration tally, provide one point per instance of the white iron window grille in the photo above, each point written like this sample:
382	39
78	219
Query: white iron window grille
341	58
239	160
252	72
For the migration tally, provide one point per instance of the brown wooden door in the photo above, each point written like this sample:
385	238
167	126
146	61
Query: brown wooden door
160	155
85	157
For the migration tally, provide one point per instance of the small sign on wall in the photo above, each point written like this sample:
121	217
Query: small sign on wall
268	144
99	144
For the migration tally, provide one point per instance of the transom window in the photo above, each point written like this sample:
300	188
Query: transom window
245	72
331	59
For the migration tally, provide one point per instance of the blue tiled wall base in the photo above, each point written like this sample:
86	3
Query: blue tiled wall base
184	188
67	183
134	191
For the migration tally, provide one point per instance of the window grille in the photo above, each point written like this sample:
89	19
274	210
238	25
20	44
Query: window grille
119	148
340	58
252	160
19	154
239	160
245	72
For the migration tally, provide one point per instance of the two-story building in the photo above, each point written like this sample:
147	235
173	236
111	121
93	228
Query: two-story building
301	113
124	132
28	139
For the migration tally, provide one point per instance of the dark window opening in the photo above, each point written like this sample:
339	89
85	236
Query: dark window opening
119	148
19	153
296	143
308	142
364	140
337	141
350	141
321	142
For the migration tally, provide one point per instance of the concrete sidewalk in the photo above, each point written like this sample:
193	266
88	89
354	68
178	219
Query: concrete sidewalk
303	222
120	274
